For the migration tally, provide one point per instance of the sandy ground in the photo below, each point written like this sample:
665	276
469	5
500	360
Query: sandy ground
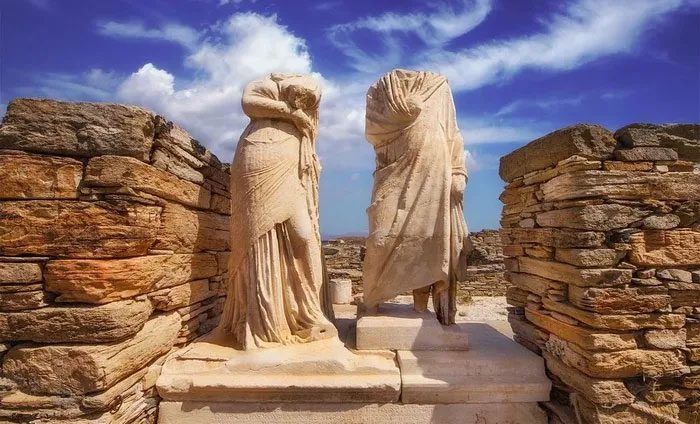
482	308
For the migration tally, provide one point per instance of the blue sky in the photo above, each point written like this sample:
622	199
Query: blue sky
518	69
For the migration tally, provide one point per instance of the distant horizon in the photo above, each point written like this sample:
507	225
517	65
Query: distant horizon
517	72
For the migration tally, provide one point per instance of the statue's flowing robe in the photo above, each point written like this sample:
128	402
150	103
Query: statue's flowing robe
417	232
276	267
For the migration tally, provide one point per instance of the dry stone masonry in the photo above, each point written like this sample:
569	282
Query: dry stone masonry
601	235
484	267
113	251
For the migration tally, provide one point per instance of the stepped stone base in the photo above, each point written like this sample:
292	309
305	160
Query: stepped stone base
348	413
497	381
495	369
399	327
322	371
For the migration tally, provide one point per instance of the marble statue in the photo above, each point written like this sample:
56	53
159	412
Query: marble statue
276	288
417	233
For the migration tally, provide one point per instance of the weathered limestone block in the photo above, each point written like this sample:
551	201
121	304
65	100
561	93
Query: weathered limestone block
688	213
619	364
571	164
646	154
619	322
19	301
590	257
606	392
587	338
178	141
683	138
165	160
84	324
685	297
665	248
619	300
603	217
185	230
554	237
533	283
182	295
613	165
115	171
19	273
221	204
623	185
78	229
675	274
39	177
661	222
665	339
589	141
584	277
45	370
692	337
77	129
102	281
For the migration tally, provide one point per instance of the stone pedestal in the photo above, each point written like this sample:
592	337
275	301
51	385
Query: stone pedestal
322	371
348	413
496	381
495	369
399	327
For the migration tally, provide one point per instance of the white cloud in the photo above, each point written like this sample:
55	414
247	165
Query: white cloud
171	32
541	104
587	30
479	131
433	29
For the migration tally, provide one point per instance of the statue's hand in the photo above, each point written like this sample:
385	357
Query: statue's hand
302	122
459	183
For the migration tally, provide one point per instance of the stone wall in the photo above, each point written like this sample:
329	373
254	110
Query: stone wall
485	277
485	266
602	237
113	251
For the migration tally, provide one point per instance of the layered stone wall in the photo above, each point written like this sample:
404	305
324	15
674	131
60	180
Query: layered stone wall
485	266
113	251
602	237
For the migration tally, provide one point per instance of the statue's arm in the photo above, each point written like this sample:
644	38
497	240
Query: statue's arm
261	101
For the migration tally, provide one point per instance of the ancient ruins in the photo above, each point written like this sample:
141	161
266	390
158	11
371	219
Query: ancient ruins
118	303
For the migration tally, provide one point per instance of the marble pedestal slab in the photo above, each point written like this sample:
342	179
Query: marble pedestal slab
322	371
399	327
495	369
344	413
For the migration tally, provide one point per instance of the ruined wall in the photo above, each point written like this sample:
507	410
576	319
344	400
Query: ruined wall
602	238
113	251
485	267
485	277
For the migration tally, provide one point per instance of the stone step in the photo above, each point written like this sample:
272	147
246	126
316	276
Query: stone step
495	369
322	413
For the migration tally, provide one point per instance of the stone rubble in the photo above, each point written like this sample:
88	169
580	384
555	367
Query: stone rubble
601	234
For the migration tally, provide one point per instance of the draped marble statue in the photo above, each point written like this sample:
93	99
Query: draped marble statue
276	288
417	233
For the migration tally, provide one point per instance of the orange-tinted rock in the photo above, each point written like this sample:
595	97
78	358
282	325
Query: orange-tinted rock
39	177
120	171
78	229
187	230
106	280
665	248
